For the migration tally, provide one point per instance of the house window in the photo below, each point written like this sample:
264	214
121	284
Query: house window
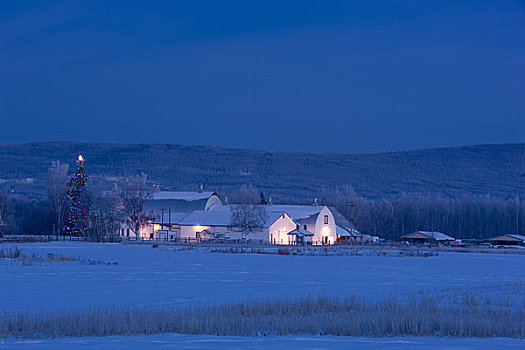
128	232
326	219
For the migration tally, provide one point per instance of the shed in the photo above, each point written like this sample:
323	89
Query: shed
428	237
509	239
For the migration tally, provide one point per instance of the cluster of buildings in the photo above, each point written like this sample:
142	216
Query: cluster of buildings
203	217
177	216
433	237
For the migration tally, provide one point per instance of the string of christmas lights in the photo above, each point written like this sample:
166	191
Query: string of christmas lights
76	222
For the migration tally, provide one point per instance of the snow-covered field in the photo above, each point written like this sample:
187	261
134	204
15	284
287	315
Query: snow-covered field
163	276
187	342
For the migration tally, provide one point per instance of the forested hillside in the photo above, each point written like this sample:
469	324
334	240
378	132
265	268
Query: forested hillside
498	170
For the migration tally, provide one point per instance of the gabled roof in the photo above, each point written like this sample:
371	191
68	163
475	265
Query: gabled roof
300	232
179	201
182	195
219	216
296	212
309	221
510	237
438	236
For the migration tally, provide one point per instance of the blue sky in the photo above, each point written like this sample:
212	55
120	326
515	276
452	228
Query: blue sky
319	76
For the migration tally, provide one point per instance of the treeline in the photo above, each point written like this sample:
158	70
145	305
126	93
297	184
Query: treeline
466	217
19	216
105	210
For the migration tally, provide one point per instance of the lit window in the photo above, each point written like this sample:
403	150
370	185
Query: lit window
326	219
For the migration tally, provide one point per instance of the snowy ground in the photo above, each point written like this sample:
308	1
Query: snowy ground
163	276
186	342
147	276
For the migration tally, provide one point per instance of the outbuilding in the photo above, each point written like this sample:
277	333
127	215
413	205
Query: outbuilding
432	237
509	239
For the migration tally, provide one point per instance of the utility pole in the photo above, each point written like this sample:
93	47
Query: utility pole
517	215
161	224
352	205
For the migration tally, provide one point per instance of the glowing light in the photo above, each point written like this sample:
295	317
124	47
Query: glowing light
80	158
156	227
76	221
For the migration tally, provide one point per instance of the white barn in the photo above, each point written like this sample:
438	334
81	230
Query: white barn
318	220
202	216
216	224
175	204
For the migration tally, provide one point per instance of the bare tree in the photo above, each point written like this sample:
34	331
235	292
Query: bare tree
133	194
6	208
247	214
105	217
57	191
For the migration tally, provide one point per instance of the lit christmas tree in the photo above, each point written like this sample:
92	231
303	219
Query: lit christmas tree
76	222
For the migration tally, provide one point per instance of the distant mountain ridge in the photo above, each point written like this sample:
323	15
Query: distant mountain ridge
287	176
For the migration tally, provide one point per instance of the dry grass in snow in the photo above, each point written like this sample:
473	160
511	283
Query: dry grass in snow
480	312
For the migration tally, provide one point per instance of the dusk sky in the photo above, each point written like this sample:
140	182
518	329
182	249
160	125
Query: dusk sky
316	76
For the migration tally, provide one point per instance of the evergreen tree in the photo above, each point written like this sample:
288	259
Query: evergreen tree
76	223
263	198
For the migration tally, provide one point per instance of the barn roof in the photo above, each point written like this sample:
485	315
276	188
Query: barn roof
343	224
438	236
179	201
219	216
182	195
509	237
296	211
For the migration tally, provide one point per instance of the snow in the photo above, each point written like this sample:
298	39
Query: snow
438	236
296	211
181	195
218	216
163	276
520	237
177	341
170	218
